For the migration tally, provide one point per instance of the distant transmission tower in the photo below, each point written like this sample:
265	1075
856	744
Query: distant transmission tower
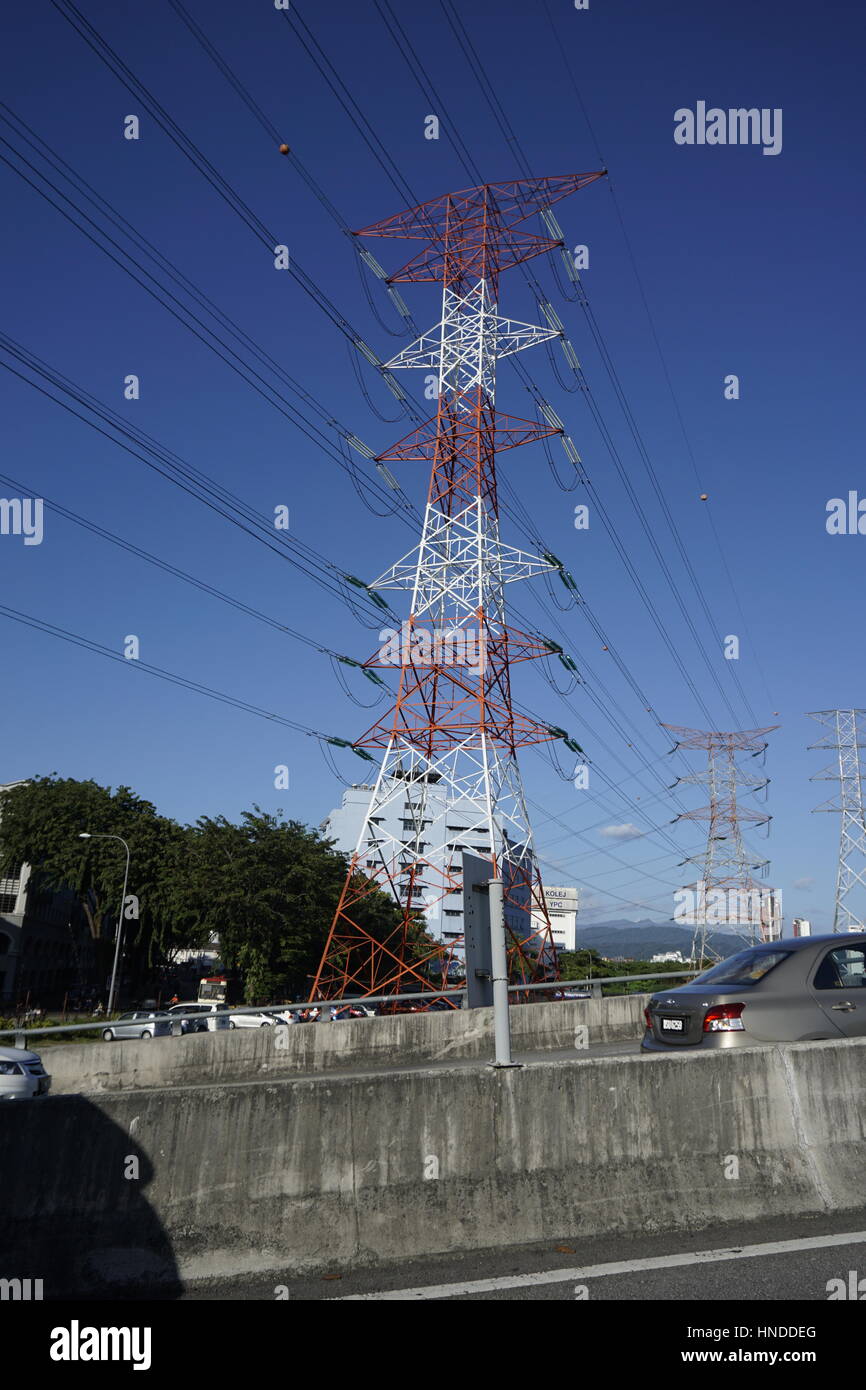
726	897
845	736
449	744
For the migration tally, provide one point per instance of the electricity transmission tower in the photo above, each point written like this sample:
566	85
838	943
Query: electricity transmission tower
726	897
845	727
449	744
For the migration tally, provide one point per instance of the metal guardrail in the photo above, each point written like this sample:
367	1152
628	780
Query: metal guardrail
607	980
97	1025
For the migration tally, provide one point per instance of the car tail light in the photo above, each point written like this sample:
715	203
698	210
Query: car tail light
724	1018
648	1017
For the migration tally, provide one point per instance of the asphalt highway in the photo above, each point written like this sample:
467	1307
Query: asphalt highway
775	1261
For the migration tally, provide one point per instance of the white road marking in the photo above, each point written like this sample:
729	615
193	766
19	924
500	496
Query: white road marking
564	1276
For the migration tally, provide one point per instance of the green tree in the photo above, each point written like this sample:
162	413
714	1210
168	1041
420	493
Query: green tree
269	889
582	964
586	963
40	823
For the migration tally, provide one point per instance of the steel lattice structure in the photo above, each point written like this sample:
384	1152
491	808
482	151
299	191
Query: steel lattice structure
726	896
449	743
844	725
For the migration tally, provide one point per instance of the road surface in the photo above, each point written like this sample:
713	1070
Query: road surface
778	1260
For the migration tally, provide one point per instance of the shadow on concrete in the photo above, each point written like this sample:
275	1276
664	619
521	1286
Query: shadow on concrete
73	1210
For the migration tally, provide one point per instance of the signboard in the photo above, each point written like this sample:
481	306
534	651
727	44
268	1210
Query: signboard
477	873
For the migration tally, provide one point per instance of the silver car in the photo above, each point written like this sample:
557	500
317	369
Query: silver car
254	1020
200	1018
22	1074
800	989
141	1024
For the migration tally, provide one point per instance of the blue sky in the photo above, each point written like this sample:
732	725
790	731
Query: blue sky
750	264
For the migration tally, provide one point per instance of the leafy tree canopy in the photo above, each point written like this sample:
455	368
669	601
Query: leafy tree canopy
40	823
269	888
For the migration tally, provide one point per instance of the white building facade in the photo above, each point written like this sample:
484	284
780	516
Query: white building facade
562	908
444	914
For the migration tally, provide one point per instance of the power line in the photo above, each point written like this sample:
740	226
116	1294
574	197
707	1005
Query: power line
391	169
657	341
63	634
190	480
190	150
224	67
493	101
220	185
189	320
27	491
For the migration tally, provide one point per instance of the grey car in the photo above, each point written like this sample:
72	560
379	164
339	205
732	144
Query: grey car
141	1024
800	989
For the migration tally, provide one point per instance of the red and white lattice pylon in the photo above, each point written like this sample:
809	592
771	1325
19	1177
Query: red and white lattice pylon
449	744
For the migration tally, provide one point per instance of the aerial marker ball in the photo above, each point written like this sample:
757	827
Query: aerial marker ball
284	149
704	496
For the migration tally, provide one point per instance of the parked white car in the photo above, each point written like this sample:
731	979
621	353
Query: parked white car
253	1020
284	1016
22	1074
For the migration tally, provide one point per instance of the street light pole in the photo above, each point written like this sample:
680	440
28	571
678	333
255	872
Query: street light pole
85	835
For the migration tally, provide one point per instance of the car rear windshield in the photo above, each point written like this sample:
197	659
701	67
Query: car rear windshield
745	968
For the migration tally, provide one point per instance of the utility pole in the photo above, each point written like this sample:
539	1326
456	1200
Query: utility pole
449	744
847	728
86	835
726	897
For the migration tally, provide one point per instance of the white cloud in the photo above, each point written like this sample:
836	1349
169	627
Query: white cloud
804	885
621	832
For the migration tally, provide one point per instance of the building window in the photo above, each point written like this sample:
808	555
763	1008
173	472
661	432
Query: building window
452	912
8	901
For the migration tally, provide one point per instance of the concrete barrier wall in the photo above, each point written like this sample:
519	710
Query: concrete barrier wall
309	1048
322	1173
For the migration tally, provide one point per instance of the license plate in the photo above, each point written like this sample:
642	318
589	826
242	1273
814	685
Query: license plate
672	1025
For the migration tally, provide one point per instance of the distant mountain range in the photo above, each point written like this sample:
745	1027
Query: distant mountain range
640	940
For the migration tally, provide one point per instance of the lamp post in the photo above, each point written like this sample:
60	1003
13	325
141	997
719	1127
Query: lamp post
85	835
